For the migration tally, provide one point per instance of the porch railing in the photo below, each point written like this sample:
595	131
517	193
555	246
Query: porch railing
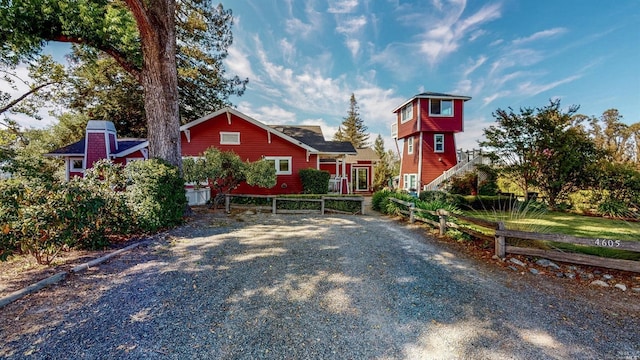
467	161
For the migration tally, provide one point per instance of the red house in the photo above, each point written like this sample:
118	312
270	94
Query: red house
290	148
427	124
100	142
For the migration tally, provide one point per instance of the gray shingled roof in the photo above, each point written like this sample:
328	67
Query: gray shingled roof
312	136
77	148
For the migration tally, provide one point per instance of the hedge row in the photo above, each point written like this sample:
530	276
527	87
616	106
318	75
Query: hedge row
44	218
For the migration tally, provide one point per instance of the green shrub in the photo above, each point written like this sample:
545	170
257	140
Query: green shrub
11	195
314	181
435	205
350	206
379	199
298	205
500	203
454	199
392	208
464	184
58	216
155	194
614	208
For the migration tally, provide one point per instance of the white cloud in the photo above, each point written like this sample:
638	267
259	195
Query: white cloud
476	34
540	35
273	115
529	88
351	28
351	25
354	46
288	50
342	6
444	37
489	99
327	130
481	60
297	27
473	132
239	64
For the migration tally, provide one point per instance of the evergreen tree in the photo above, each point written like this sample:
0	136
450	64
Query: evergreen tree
387	167
353	128
378	146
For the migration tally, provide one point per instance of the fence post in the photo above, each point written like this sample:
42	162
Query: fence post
443	222
411	216
322	206
500	246
273	205
227	203
362	206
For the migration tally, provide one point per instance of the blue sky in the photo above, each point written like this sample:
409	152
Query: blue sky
305	58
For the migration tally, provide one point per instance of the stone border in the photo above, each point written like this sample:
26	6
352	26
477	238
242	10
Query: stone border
6	300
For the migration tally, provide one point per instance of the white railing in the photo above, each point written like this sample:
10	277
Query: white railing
466	162
336	185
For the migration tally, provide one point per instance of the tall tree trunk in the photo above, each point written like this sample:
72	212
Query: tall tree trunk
159	77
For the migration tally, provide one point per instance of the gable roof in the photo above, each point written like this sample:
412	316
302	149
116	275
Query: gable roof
363	154
251	120
433	95
312	136
125	147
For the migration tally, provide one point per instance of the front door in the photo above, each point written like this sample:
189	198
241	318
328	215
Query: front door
360	176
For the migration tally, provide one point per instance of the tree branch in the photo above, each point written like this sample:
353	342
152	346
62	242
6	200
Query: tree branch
23	96
140	13
116	55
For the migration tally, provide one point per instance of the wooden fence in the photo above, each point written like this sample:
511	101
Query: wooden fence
501	234
275	199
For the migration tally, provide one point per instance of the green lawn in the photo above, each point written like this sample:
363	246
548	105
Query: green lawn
570	224
564	223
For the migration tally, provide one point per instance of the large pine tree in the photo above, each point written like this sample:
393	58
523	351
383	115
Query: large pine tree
353	128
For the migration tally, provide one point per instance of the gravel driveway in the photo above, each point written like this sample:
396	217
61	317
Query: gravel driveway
297	287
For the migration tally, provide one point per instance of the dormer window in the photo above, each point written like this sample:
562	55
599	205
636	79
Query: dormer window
439	107
406	113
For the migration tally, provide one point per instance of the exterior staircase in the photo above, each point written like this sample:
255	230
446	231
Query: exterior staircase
467	161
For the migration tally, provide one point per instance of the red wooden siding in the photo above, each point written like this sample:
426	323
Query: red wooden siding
207	134
410	161
442	123
113	148
96	148
432	166
409	127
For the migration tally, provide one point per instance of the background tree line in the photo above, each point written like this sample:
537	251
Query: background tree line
559	152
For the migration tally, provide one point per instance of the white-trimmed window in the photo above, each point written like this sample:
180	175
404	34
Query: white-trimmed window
281	163
440	107
438	143
229	138
410	145
406	113
410	181
76	164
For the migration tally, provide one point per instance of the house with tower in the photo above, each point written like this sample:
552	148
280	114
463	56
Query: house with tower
427	124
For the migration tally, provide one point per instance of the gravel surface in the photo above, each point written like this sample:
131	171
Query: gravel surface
298	287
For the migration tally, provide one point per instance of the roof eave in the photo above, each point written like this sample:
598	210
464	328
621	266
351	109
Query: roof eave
419	96
252	121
